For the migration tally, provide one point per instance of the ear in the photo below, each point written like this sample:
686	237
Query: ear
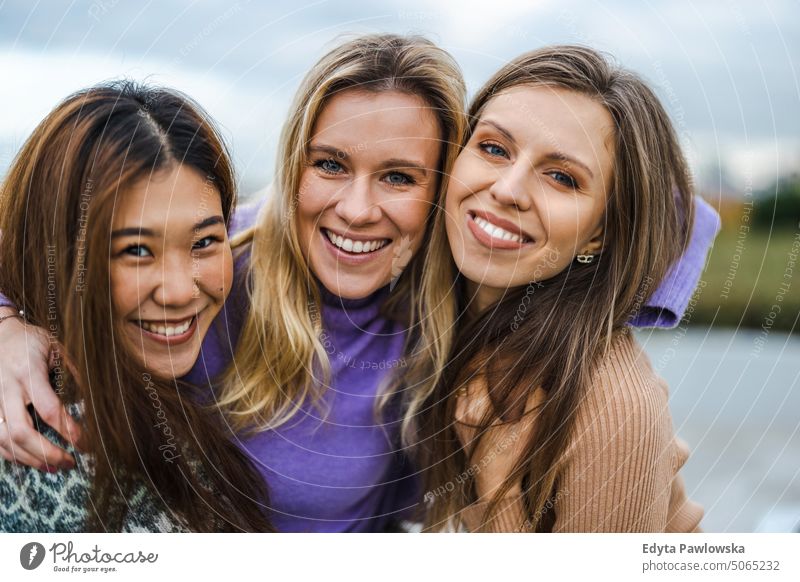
595	244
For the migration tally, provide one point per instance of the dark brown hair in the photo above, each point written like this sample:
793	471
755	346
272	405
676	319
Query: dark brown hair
572	317
57	207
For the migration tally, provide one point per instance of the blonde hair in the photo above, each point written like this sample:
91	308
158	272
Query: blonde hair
280	361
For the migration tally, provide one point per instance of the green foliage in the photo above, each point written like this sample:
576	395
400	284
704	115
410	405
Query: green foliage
778	207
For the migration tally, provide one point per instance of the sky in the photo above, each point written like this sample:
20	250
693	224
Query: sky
727	71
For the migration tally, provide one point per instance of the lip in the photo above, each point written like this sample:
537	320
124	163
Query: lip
354	259
489	241
353	236
172	340
502	223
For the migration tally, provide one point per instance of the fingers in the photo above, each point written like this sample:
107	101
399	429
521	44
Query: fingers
20	457
23	379
49	406
58	358
20	442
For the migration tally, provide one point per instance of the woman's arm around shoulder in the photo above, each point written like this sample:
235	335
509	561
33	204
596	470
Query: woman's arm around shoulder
618	473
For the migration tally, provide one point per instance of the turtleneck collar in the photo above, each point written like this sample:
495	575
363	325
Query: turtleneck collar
357	313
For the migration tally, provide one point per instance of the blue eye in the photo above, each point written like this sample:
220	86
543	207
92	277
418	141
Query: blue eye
329	166
564	179
138	251
494	150
399	179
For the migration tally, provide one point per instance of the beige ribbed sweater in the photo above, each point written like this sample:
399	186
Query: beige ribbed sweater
620	473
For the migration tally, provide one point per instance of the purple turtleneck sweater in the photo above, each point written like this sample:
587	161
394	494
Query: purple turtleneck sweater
333	467
345	472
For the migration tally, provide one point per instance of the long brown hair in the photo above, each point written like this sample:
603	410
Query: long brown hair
57	207
572	317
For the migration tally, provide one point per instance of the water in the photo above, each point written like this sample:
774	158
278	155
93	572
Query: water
735	398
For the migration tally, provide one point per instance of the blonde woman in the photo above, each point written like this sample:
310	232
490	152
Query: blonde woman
569	202
335	307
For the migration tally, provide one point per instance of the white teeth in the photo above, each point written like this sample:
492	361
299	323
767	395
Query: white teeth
164	330
495	231
356	246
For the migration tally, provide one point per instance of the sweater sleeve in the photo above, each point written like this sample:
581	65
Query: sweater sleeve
5	302
667	305
617	475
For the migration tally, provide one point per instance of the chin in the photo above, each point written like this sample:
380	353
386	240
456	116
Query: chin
491	276
175	367
352	287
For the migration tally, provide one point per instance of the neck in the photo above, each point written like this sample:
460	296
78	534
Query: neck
482	296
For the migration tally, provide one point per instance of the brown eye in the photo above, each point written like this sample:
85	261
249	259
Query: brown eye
204	243
139	251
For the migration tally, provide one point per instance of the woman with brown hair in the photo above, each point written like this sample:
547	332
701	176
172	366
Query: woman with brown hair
565	209
114	221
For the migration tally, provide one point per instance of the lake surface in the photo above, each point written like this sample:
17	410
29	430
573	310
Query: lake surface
735	398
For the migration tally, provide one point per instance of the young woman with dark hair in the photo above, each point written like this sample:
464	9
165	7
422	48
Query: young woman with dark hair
114	221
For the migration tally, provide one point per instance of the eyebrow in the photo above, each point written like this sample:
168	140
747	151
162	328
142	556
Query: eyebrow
139	231
559	157
395	163
499	128
554	156
389	164
330	150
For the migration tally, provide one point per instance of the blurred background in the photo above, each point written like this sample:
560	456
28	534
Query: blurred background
727	71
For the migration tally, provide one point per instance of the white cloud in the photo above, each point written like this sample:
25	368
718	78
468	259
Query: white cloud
250	118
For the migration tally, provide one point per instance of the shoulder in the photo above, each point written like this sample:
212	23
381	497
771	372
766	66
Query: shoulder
245	216
625	406
624	379
43	502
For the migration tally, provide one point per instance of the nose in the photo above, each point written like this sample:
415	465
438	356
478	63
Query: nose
356	204
178	285
512	186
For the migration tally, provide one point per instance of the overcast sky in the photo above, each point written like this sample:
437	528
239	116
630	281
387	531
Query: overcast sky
726	70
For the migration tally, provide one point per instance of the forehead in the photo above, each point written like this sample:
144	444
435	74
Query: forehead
562	119
382	123
175	194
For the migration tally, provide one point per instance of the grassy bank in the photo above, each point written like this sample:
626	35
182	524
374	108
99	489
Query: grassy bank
751	280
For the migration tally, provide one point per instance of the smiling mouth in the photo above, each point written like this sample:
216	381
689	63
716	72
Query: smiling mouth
355	247
498	233
170	329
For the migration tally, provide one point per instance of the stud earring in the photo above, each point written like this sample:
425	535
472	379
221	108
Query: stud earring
585	259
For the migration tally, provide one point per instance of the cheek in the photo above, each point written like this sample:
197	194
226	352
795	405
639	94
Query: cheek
312	200
565	219
410	213
313	195
128	288
215	276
